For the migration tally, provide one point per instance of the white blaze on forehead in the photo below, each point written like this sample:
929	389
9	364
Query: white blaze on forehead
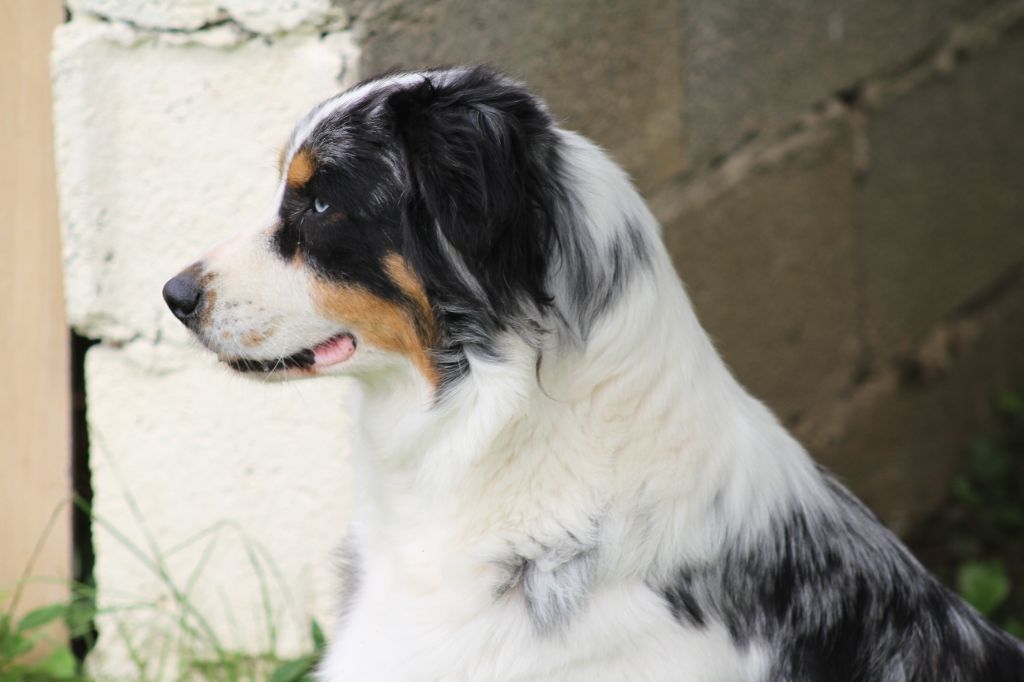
346	99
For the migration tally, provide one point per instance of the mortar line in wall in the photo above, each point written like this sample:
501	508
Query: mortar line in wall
963	40
930	359
860	142
825	119
991	294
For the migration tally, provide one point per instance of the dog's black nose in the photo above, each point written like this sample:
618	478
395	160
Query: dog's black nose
182	294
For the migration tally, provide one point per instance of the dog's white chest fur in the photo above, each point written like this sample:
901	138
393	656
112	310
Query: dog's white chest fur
529	543
401	630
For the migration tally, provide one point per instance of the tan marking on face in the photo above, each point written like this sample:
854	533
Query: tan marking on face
402	275
254	338
301	169
211	300
209	297
379	322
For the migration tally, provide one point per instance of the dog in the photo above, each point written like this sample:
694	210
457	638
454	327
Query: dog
557	476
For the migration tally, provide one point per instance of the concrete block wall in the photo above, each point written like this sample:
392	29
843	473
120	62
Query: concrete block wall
839	184
169	119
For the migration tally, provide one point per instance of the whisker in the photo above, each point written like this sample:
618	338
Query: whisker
277	363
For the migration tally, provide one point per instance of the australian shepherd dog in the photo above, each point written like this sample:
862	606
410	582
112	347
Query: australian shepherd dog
557	477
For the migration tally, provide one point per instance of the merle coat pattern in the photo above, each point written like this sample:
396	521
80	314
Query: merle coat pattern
558	478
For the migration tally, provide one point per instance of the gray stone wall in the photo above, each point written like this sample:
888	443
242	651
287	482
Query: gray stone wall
841	185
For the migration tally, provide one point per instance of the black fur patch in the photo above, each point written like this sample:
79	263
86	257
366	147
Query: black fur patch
682	601
837	597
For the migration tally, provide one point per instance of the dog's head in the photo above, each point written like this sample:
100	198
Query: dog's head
414	222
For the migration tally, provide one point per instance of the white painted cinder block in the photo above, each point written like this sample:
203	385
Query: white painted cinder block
235	487
166	143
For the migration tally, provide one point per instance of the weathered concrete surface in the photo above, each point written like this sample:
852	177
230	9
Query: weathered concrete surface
203	470
898	438
906	230
754	67
610	70
943	202
167	142
771	267
165	145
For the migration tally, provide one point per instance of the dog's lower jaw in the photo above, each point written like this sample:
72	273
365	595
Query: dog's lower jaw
308	361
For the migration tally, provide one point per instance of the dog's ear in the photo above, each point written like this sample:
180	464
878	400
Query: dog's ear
477	150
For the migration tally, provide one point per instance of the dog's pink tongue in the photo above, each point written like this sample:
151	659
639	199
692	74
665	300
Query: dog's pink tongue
338	349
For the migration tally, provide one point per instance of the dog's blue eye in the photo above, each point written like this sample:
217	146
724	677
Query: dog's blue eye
319	206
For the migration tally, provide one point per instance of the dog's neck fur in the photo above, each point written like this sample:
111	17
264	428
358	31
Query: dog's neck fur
498	468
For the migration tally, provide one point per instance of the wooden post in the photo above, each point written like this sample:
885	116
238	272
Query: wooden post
35	408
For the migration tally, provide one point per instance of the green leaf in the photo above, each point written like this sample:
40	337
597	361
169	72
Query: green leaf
1010	403
14	645
963	490
293	670
79	617
987	460
41	616
984	584
319	641
1015	626
59	665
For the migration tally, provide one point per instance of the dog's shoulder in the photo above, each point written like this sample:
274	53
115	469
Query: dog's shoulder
832	594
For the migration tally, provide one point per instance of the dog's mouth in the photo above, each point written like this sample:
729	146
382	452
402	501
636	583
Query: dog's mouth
333	351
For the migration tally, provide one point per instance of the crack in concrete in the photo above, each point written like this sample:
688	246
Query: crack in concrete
332	23
861	161
991	294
